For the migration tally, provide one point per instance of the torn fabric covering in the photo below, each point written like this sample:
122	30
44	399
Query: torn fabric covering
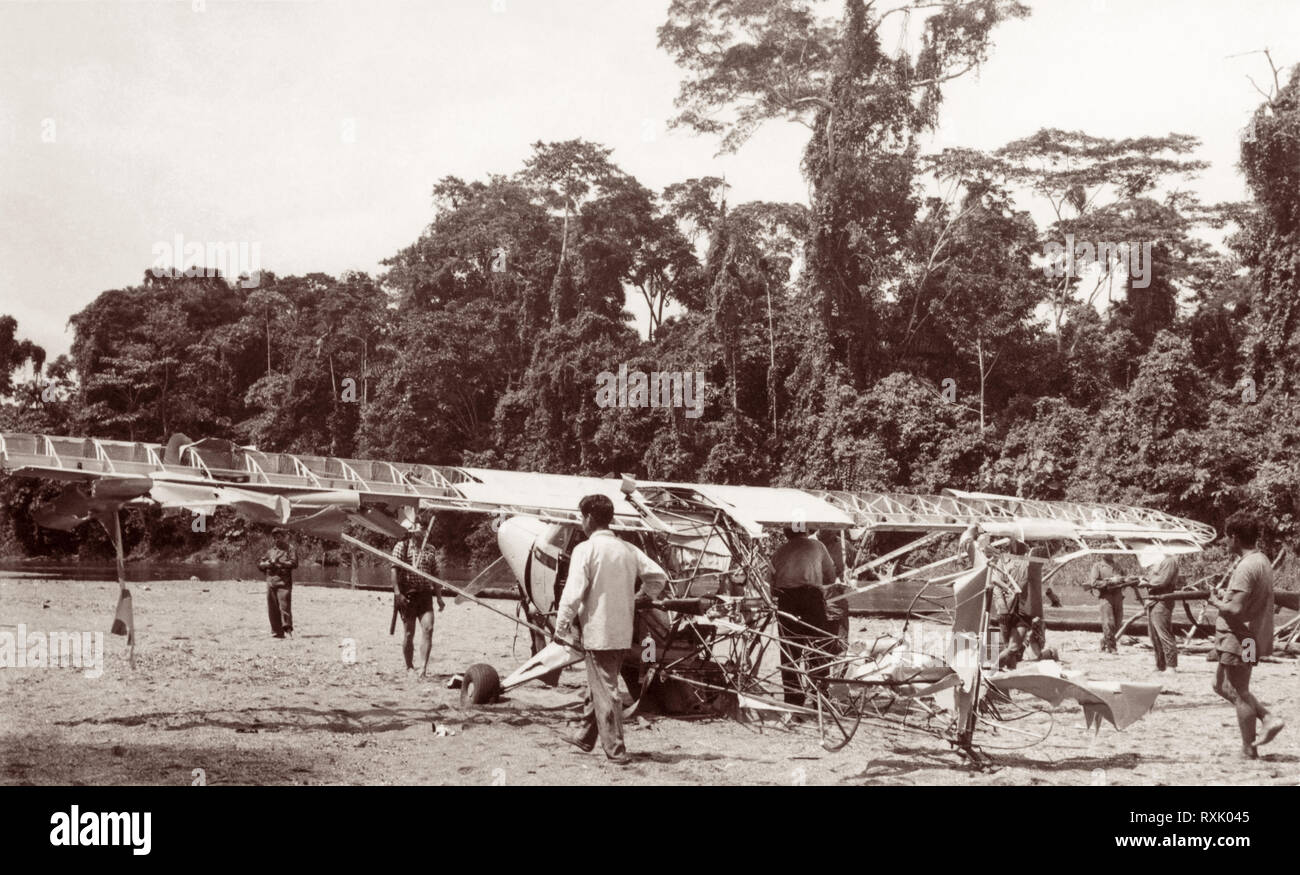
69	509
205	499
964	649
1119	702
328	523
377	521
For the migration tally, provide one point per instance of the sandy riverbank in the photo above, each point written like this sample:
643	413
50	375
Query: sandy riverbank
213	691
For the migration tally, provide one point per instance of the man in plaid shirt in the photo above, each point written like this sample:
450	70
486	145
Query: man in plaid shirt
413	598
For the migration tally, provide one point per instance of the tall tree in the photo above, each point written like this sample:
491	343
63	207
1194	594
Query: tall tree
748	63
1098	190
15	353
1270	244
568	172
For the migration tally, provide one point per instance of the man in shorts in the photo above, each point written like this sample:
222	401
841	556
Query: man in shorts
1243	633
413	597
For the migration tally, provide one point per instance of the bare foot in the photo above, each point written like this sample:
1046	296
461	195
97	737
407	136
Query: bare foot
1272	726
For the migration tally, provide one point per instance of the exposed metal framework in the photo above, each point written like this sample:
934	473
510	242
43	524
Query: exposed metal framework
471	489
719	628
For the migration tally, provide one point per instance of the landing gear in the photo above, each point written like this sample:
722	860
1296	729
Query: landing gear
480	685
537	618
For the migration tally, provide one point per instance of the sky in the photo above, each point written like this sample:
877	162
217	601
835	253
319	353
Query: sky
316	130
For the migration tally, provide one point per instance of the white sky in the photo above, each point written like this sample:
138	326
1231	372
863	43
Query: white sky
228	124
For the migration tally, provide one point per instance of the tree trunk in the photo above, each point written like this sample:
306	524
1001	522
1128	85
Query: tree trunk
564	233
771	354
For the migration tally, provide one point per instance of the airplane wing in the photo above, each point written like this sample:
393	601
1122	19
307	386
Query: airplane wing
297	490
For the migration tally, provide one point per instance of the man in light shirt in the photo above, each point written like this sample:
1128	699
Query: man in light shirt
1243	633
599	603
802	569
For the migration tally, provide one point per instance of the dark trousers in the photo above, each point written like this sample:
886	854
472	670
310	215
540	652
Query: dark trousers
279	606
1036	640
1160	626
808	605
1014	629
1112	614
602	713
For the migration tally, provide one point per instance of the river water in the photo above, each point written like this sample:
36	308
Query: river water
896	598
315	575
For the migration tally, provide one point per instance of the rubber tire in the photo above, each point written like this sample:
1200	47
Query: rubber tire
479	685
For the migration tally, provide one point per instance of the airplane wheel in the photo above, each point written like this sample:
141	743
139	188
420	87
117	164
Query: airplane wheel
480	685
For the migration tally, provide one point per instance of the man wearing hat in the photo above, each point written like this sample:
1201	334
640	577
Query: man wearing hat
413	597
278	564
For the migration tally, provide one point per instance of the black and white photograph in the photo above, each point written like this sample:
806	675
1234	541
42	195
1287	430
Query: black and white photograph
784	393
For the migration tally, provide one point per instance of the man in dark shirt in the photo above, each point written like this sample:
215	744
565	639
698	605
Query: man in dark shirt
413	598
1019	618
1035	592
802	568
278	563
837	607
1160	615
1110	598
1243	633
1006	585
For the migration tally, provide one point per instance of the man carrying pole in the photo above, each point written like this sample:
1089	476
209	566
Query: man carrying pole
1106	584
413	597
1160	615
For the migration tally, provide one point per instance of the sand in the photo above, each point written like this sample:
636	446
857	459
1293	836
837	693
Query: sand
215	698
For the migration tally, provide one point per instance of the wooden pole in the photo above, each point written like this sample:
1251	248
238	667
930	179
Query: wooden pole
121	581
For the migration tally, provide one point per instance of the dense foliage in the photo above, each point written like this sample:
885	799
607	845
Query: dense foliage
900	332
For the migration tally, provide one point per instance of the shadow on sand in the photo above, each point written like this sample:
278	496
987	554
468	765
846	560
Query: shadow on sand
117	763
372	719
